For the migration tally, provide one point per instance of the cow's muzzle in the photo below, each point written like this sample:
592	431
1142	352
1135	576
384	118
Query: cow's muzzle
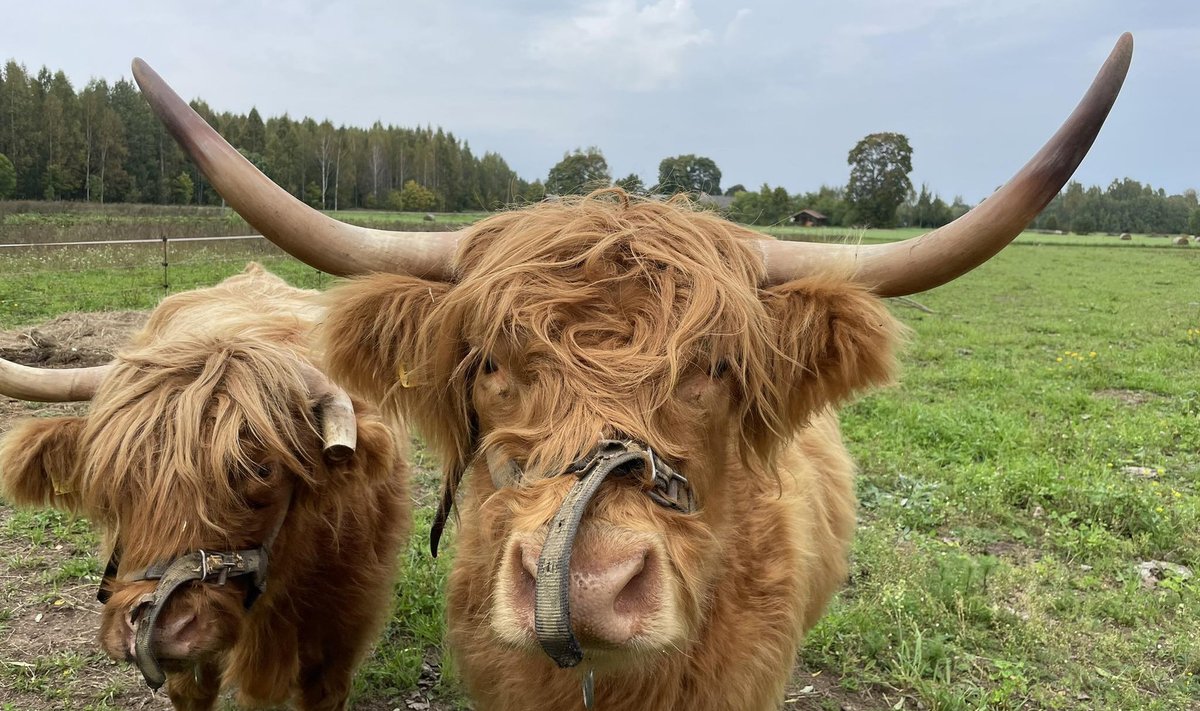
622	458
212	568
208	567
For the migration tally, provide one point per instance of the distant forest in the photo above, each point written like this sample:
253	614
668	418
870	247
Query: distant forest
1124	206
103	144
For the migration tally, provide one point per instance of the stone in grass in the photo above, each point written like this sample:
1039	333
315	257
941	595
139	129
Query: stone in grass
1155	571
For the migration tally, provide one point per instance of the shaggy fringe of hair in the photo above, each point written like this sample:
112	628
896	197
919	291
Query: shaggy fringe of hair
218	405
674	283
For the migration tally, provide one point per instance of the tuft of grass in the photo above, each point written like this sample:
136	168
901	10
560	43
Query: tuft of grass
413	635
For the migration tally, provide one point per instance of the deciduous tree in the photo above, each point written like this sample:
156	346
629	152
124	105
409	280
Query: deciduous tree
182	189
879	182
414	197
631	184
579	173
690	174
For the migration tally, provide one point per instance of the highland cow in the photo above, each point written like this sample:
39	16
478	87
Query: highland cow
634	405
251	511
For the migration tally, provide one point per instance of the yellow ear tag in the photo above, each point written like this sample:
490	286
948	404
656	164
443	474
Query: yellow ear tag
402	376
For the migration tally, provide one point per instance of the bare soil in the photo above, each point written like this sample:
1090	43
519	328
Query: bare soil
1133	398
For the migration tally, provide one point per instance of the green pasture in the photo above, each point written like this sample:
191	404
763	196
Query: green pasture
854	236
1042	442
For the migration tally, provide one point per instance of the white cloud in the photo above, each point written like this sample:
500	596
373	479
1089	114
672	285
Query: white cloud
621	43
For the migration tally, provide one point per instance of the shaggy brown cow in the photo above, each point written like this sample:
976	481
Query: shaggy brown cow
633	403
211	442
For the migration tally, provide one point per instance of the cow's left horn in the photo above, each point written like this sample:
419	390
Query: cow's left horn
339	428
313	238
50	384
937	257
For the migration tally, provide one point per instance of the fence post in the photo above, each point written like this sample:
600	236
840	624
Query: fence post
166	284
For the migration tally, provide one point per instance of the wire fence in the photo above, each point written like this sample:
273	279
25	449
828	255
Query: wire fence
39	281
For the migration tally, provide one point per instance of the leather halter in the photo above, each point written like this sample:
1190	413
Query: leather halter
664	486
208	567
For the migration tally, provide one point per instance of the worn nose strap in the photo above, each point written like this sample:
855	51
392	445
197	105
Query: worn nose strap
552	607
198	565
213	567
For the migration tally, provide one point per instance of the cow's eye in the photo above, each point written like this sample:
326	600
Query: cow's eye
263	472
719	368
489	365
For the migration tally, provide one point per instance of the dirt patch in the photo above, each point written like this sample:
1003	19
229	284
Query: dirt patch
1012	551
72	339
1132	398
49	657
821	691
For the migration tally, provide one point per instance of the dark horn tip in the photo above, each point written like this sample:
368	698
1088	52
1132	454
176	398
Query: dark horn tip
140	68
338	452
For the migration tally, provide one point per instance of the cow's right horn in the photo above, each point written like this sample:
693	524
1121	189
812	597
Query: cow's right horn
50	384
313	238
937	257
335	412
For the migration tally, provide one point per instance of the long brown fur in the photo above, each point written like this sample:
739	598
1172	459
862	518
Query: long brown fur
190	444
603	316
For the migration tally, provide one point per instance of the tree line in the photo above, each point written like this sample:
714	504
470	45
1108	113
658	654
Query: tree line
1124	206
103	144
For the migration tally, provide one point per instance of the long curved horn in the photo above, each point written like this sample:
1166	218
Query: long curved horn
315	239
937	257
50	384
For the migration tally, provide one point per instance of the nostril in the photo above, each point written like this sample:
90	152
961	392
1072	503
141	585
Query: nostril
174	626
638	592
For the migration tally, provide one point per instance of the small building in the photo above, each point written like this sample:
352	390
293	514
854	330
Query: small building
716	202
809	218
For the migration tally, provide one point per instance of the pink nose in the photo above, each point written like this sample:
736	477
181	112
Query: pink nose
614	595
176	635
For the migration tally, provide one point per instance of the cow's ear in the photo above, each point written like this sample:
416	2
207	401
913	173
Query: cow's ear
371	336
39	462
833	338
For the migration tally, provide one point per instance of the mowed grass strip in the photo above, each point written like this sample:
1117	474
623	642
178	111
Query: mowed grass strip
1040	445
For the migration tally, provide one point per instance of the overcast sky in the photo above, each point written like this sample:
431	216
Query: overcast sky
774	91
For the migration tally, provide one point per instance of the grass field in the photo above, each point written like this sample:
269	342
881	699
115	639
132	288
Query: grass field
1041	444
849	235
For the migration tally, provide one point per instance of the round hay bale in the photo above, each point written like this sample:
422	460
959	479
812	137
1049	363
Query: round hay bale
429	217
1125	236
1181	240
